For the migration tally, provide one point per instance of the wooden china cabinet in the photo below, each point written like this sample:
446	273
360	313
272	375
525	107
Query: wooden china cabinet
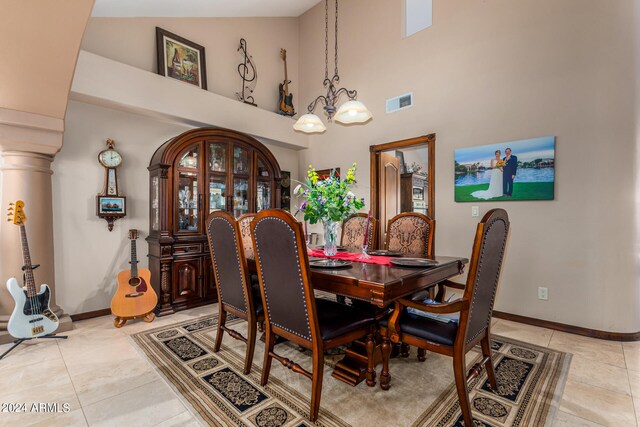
191	175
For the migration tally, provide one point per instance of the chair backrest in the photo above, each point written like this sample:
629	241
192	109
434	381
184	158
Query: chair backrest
244	221
283	271
353	230
411	234
229	263
484	272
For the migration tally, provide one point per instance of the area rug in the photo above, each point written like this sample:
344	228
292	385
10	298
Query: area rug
531	381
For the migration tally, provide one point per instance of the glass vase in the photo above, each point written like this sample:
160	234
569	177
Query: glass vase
330	237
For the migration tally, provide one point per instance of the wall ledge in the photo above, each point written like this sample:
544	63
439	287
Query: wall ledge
112	84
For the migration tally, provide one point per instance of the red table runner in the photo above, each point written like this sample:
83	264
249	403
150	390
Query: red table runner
349	256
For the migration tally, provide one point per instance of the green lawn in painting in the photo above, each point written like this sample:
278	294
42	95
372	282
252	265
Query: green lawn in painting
521	191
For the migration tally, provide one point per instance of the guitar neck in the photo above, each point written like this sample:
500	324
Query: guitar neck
134	259
286	78
26	259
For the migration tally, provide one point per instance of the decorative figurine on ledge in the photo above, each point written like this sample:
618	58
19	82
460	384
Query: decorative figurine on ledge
249	74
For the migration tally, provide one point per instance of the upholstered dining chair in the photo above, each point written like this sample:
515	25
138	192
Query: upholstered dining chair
353	229
235	294
411	234
291	309
471	315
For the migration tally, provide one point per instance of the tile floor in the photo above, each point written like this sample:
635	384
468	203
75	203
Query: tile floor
106	381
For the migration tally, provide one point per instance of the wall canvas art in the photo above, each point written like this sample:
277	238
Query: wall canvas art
180	59
515	170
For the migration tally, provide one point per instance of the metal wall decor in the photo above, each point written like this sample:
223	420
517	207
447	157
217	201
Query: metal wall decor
248	72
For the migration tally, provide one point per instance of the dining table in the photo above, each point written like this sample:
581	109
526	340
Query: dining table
379	283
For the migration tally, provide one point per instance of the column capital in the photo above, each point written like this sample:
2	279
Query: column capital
24	131
25	161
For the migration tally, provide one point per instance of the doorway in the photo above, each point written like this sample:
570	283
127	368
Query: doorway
402	179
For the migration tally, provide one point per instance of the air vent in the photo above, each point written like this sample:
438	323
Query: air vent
400	102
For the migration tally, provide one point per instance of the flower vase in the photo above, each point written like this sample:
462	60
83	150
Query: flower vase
330	237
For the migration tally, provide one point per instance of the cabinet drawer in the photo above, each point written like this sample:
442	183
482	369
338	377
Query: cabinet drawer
187	249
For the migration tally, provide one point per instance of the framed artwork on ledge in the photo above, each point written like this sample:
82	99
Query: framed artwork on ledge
180	59
326	173
515	170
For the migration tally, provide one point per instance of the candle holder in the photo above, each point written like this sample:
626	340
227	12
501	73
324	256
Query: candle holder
364	254
307	241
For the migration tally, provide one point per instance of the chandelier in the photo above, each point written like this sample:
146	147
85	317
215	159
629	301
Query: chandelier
352	111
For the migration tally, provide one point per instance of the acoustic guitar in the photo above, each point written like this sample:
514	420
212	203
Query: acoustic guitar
31	317
135	297
286	99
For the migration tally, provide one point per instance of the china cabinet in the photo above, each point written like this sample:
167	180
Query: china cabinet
191	175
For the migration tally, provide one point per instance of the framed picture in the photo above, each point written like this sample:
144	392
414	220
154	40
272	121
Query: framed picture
515	170
326	173
180	59
109	205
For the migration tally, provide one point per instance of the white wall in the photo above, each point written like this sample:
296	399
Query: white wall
495	71
88	256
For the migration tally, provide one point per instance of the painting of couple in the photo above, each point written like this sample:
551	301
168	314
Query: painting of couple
505	175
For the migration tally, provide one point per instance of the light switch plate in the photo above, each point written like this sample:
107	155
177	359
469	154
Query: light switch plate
475	211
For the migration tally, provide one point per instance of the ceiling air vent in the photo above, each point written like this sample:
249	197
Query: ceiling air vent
400	102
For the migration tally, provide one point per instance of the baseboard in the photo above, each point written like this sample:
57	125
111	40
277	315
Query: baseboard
91	314
577	330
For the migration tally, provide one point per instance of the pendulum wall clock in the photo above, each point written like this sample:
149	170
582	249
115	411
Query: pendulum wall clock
110	204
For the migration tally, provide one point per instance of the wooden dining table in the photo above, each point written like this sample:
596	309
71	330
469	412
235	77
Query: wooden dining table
379	285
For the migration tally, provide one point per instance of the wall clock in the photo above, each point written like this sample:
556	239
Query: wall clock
110	204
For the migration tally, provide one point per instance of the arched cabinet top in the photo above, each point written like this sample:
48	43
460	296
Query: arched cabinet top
166	154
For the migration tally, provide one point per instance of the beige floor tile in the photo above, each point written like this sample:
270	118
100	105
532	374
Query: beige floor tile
634	383
599	374
147	405
632	355
29	352
636	403
522	332
185	419
112	378
597	405
70	419
567	420
602	351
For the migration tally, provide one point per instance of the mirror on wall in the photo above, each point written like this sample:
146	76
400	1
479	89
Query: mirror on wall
402	179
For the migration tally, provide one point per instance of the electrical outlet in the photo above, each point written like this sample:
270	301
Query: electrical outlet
543	293
475	211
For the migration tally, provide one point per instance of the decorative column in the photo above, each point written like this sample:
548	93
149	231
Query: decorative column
26	176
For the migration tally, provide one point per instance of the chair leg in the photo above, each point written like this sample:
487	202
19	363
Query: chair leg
222	318
268	348
251	345
385	377
486	351
371	367
404	350
422	354
459	371
316	383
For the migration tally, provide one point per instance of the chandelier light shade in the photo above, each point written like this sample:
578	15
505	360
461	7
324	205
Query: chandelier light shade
351	111
310	123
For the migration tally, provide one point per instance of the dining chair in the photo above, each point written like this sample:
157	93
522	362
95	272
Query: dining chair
411	234
353	229
469	317
235	294
292	311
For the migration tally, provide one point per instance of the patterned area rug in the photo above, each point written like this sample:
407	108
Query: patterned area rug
530	378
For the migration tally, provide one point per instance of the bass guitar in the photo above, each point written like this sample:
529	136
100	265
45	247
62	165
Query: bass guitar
31	317
135	297
285	106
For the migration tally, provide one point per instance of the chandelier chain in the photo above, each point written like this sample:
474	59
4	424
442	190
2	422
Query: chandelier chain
326	39
336	48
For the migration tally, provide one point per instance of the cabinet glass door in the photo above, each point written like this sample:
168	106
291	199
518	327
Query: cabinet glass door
217	194
218	157
187	201
241	163
263	200
240	197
